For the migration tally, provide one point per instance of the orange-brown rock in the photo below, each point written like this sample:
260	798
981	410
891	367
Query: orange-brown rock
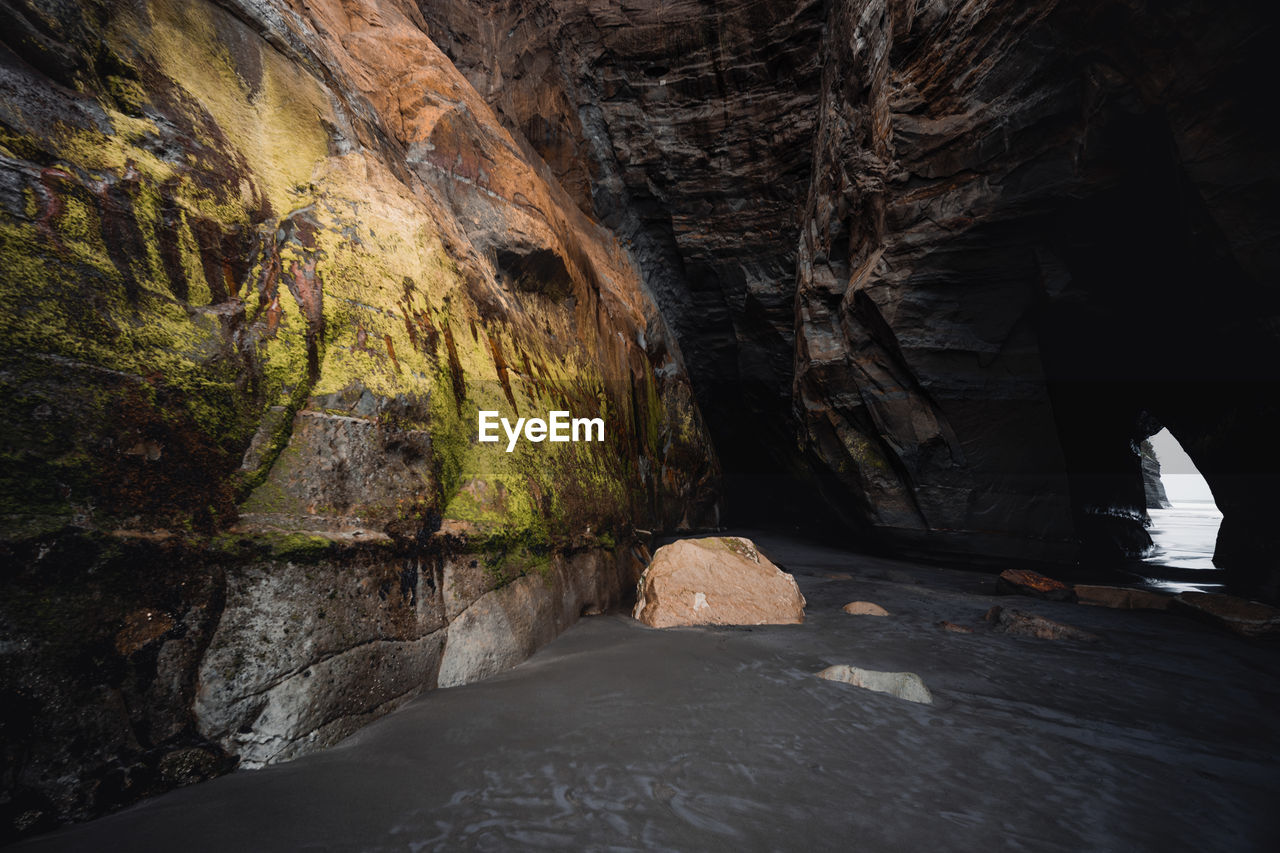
716	581
1034	584
141	628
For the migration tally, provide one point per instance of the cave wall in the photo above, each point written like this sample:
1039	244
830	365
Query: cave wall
941	264
263	263
959	250
685	128
1029	226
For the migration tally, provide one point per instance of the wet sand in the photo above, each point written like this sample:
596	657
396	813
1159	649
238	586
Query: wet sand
1160	736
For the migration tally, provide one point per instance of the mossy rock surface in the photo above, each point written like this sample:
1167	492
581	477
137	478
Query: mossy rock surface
259	277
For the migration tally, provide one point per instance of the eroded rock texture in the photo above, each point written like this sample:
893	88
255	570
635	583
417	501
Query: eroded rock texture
686	128
263	262
975	237
1028	225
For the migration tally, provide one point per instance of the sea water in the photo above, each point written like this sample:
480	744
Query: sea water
1184	535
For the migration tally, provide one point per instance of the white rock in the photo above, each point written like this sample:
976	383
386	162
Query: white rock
904	685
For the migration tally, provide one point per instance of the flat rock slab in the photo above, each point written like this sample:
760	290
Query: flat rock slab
716	581
864	608
1034	584
1122	598
903	685
1244	617
1029	625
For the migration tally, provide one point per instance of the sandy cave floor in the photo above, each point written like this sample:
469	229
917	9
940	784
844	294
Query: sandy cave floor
1162	735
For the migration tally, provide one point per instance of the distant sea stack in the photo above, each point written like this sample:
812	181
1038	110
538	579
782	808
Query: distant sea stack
1151	483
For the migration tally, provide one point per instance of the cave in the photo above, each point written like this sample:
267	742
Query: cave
1184	519
1122	265
878	305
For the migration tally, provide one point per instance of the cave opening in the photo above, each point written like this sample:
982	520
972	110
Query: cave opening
1140	329
1184	516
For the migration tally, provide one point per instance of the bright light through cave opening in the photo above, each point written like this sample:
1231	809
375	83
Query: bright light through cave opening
1184	533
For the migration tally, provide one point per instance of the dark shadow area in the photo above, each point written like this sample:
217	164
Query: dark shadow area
1148	319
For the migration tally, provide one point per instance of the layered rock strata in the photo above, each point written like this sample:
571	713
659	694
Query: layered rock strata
686	128
978	232
1013	208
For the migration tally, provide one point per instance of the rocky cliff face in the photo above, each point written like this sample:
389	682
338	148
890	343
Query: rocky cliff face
1152	487
960	230
686	128
263	264
1012	206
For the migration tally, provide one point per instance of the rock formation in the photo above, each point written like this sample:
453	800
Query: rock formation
1013	208
1122	598
864	608
1152	486
971	238
1021	624
1023	582
686	128
716	581
262	267
264	262
1246	618
903	685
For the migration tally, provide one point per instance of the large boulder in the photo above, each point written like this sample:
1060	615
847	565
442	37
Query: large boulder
716	581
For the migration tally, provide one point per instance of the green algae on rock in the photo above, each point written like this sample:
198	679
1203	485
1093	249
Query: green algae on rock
258	280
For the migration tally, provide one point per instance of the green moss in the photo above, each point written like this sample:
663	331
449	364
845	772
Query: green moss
388	286
270	545
732	545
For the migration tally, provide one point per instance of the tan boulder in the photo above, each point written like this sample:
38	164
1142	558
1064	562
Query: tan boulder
864	608
716	581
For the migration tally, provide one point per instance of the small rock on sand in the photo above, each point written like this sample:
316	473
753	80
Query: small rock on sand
716	581
1023	582
1244	617
865	608
1029	625
1122	598
951	626
904	685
